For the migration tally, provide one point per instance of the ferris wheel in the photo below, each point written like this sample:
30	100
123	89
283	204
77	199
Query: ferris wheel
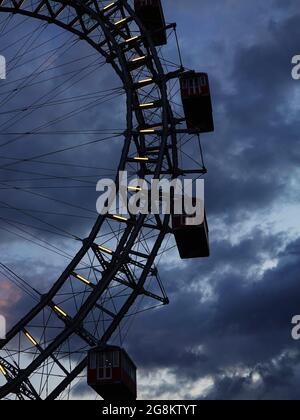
112	272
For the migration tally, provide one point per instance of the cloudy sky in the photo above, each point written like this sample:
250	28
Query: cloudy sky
227	331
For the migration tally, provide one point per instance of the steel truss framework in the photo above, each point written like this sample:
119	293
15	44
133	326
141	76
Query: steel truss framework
46	351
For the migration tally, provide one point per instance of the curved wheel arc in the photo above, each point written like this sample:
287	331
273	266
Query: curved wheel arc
113	50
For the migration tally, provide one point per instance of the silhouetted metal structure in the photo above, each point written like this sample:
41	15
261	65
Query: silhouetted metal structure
116	31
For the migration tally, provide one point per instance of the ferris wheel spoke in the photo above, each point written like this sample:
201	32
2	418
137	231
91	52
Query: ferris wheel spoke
113	276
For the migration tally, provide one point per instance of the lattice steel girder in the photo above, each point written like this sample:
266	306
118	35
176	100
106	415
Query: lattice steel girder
82	19
26	389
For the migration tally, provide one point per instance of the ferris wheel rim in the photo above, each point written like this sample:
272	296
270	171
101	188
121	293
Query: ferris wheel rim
95	230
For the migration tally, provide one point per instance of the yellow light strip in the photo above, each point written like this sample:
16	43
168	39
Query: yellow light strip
134	188
143	159
2	370
60	311
145	81
31	339
123	219
109	6
147	131
108	251
83	279
132	39
138	59
147	105
120	21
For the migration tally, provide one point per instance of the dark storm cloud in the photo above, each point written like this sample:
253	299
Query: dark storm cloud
275	380
247	325
248	54
256	130
252	157
226	320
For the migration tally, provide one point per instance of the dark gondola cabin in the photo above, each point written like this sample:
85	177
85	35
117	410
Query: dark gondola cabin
196	100
112	374
151	14
192	241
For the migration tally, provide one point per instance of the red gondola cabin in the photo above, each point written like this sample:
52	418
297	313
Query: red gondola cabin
151	14
196	100
192	241
112	374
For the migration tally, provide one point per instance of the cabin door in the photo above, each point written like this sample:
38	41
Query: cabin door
105	366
